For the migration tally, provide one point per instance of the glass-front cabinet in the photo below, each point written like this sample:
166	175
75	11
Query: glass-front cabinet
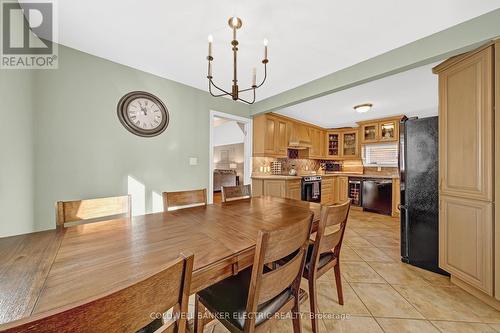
333	144
370	133
350	144
388	131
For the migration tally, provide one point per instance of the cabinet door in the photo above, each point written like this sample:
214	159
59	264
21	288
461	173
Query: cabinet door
257	187
293	189
343	187
466	240
350	144
281	137
336	190
270	136
332	144
370	133
274	188
327	190
389	131
466	128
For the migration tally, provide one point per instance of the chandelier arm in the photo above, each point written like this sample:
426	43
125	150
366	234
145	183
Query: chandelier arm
210	83
245	101
265	75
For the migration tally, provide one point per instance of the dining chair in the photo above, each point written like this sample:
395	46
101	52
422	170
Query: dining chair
231	193
250	300
324	253
92	210
127	309
184	199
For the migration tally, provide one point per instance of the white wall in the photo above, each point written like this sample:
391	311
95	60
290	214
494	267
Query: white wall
228	133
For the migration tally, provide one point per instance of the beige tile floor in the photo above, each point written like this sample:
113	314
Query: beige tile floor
381	294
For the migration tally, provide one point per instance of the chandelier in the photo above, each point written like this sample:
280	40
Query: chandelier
235	23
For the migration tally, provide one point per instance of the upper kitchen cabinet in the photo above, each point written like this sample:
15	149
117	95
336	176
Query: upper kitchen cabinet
270	136
466	126
380	130
317	137
369	133
350	146
342	144
332	144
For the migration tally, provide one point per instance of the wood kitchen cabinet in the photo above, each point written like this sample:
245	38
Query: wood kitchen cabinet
332	145
343	185
370	132
379	130
396	197
292	189
466	240
276	187
327	188
270	136
342	144
350	147
317	137
466	171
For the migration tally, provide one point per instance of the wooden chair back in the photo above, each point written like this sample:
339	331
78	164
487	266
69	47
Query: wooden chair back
271	247
123	310
184	199
231	193
330	233
92	210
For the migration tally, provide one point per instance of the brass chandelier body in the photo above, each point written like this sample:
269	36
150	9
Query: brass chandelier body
235	23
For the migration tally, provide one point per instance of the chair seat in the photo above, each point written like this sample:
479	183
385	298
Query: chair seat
324	258
227	300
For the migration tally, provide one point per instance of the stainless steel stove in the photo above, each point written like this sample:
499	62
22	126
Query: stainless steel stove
310	187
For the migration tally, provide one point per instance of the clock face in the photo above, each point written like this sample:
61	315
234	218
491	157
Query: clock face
143	114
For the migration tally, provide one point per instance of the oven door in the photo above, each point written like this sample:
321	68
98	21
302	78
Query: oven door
311	191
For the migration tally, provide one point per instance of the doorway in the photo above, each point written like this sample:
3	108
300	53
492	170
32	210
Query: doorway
230	150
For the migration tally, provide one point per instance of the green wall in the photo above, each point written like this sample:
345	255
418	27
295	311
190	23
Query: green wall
17	159
82	151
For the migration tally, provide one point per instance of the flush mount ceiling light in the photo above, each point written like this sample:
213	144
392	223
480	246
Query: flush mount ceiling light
362	108
235	23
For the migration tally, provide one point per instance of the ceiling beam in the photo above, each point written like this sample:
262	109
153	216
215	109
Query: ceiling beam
452	41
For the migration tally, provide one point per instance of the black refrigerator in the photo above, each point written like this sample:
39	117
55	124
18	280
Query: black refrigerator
418	165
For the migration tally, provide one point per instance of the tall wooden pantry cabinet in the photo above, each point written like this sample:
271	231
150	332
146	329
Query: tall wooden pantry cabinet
467	169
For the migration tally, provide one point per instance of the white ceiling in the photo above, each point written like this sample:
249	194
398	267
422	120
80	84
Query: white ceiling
412	93
307	39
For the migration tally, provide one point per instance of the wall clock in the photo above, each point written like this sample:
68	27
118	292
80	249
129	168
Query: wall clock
143	114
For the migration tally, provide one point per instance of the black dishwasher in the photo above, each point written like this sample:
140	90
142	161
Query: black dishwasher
377	196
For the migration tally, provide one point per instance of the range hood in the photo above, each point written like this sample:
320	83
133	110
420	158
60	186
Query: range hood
299	137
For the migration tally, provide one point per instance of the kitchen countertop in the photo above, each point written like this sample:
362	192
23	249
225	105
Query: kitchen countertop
364	175
278	177
345	174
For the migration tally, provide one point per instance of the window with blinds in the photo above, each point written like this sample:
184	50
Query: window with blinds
383	154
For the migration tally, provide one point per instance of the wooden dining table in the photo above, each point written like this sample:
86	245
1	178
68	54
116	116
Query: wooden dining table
45	270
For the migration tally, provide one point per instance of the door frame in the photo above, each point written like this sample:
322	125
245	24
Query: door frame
247	144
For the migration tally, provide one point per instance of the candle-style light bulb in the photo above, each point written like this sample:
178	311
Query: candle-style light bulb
265	47
210	41
254	76
234	21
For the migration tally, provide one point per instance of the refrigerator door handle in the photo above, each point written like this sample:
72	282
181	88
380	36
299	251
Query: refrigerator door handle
406	249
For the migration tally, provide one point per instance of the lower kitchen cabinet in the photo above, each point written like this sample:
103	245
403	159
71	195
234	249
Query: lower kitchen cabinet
343	185
327	188
293	189
466	240
283	188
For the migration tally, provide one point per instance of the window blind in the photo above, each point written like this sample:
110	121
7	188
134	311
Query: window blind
381	154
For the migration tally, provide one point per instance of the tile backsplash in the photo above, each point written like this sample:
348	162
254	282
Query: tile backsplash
301	165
